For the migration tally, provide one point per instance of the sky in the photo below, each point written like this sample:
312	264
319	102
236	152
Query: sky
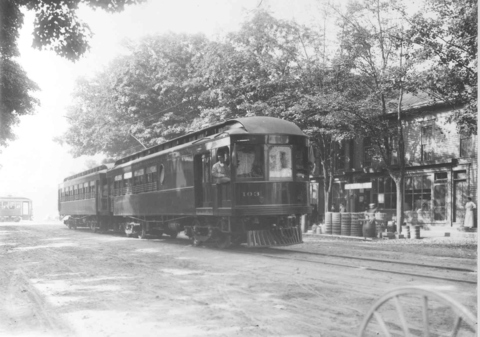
33	165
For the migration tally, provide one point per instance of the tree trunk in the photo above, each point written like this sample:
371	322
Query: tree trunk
400	204
328	202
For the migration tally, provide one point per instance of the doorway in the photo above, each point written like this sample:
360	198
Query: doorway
25	208
460	190
202	180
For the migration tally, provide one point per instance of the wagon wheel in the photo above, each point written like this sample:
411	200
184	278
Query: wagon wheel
416	311
173	234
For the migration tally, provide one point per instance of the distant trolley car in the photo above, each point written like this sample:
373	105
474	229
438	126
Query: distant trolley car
175	186
15	209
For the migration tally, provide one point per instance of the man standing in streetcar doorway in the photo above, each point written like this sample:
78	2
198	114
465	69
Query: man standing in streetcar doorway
220	170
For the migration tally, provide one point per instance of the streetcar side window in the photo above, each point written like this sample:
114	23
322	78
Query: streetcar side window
151	177
85	190
301	163
151	174
117	185
280	163
127	182
161	170
138	177
92	189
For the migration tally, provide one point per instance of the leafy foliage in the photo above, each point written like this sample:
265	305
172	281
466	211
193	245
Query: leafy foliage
446	40
56	27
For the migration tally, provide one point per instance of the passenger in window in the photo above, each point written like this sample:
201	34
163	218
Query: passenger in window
221	171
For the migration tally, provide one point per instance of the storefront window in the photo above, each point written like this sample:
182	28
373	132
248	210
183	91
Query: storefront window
384	193
418	193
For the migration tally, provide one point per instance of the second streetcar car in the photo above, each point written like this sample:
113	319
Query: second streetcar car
15	208
241	181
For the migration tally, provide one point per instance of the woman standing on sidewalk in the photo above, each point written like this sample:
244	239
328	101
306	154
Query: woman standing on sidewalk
469	213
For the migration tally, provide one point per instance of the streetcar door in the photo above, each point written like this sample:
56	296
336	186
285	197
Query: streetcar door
25	208
203	181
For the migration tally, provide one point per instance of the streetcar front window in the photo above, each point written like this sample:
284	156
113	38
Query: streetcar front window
280	163
249	162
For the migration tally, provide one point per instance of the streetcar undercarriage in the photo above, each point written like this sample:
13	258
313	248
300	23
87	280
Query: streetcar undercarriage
222	232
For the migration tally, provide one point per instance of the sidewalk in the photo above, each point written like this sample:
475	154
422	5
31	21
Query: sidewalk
432	232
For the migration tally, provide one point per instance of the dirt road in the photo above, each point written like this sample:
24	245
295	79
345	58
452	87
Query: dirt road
60	282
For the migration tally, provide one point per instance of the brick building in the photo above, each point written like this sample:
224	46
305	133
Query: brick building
441	170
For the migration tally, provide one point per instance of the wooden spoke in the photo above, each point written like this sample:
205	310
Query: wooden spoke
401	316
380	321
426	329
426	296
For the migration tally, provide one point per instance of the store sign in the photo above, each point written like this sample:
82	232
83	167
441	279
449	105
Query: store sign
358	186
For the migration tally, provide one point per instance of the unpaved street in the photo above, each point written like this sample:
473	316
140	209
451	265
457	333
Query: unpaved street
60	282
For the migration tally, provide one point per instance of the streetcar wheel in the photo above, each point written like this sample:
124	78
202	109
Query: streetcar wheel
196	242
143	233
224	241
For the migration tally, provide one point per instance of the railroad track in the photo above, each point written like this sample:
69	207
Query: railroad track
464	275
430	271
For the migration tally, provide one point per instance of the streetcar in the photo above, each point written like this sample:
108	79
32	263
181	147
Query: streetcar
174	187
15	209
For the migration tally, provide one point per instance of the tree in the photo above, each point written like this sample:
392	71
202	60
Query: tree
375	44
174	83
56	27
446	40
148	96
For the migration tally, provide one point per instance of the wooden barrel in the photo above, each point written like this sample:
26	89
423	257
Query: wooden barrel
356	225
346	223
328	223
417	232
369	228
336	223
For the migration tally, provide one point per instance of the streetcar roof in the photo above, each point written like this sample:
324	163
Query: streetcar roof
94	170
13	198
269	125
252	125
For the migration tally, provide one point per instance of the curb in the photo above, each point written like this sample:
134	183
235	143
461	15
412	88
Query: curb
453	235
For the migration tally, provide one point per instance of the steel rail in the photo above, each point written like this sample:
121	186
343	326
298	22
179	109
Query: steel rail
370	269
375	260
